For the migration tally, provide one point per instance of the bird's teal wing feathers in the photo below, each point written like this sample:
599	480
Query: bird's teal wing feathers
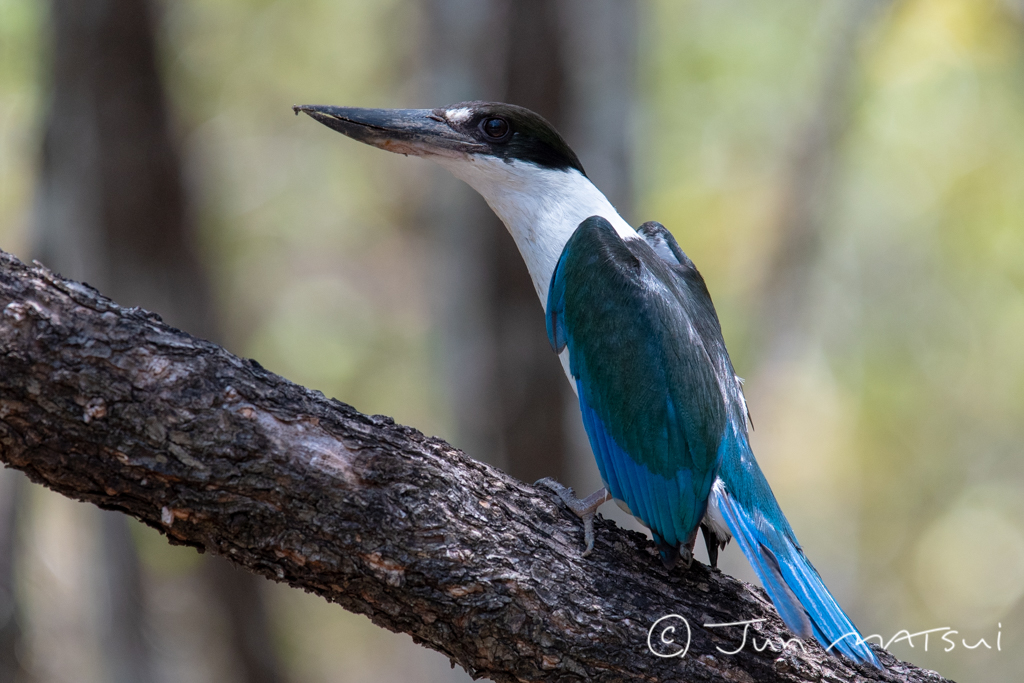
651	401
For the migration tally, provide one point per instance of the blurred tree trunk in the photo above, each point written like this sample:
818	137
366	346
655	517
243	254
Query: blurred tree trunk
530	381
122	614
111	201
248	627
12	488
112	209
572	62
787	296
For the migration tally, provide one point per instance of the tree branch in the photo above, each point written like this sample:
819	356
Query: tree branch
111	406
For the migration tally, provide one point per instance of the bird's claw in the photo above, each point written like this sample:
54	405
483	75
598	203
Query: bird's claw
584	508
566	493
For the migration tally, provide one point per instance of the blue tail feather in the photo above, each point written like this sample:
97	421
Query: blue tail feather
748	507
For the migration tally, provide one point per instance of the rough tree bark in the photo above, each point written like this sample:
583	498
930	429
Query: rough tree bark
111	406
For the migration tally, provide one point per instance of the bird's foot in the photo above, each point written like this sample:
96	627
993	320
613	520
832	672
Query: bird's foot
686	556
583	507
671	555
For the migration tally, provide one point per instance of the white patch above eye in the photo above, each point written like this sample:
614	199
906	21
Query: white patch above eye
458	115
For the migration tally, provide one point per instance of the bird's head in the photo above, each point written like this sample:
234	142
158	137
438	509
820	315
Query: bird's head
464	133
514	158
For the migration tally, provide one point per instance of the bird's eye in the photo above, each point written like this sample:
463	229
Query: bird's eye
495	127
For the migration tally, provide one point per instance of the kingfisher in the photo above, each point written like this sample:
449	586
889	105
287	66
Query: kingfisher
633	324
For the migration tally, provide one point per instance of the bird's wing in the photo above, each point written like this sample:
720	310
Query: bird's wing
704	316
651	395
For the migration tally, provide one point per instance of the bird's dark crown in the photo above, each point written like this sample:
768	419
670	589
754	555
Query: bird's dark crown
512	133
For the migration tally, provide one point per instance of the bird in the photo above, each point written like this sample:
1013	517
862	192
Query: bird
636	331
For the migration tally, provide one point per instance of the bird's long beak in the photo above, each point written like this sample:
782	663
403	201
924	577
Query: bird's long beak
420	132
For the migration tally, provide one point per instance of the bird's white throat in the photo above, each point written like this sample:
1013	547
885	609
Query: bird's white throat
541	207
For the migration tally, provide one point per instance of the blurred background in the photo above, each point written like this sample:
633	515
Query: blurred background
849	178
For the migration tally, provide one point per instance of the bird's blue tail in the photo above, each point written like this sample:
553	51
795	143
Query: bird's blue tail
748	507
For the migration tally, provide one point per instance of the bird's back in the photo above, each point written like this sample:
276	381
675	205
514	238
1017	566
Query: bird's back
648	364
